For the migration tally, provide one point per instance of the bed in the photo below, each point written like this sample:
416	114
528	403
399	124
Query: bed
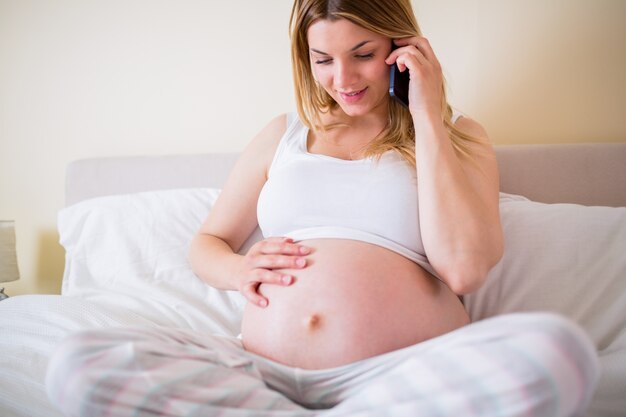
128	222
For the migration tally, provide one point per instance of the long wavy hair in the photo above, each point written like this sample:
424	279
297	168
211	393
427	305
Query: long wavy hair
391	18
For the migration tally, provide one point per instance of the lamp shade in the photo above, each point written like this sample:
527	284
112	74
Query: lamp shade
8	255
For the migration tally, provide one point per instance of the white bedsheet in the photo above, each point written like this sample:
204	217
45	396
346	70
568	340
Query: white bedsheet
32	325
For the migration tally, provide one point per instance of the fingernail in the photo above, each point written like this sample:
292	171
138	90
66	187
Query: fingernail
263	303
304	250
286	279
300	262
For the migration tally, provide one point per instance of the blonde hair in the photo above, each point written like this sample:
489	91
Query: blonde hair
391	18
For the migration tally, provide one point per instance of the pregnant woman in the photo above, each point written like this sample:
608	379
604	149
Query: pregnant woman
377	217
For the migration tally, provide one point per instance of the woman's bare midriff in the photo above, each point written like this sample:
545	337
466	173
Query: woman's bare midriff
354	300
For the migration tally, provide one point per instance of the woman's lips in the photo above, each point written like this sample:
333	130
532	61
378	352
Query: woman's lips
353	96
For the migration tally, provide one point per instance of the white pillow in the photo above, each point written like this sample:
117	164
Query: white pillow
569	259
130	252
560	257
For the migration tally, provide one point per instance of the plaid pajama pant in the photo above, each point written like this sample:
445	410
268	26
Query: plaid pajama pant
525	364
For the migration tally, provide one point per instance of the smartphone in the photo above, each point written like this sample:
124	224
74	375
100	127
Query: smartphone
399	84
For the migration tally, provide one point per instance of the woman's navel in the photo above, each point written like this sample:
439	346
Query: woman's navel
313	321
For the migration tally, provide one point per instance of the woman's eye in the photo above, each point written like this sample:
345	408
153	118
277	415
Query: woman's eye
329	60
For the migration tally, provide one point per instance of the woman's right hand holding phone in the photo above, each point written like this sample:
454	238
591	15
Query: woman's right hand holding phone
263	263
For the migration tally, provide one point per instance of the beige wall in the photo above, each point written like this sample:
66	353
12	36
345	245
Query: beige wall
83	78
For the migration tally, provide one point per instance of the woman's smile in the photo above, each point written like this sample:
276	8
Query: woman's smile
353	96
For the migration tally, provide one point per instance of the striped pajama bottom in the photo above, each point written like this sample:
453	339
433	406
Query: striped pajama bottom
530	364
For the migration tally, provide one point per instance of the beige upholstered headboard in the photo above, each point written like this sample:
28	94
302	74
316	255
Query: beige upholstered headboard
590	174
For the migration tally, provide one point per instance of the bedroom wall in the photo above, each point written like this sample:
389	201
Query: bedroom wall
100	78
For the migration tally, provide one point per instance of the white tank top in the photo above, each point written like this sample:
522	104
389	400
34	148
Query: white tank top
313	196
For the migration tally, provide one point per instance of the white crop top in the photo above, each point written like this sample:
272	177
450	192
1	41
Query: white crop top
312	196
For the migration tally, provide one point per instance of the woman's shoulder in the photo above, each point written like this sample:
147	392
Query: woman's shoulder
276	127
271	133
470	127
261	149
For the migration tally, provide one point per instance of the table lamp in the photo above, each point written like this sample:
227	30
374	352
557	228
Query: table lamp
8	254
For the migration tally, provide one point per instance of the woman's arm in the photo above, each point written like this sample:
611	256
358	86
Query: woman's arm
458	195
459	205
213	254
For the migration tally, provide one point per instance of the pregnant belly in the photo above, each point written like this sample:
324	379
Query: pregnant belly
353	300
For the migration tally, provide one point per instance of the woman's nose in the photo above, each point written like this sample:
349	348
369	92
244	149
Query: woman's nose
344	75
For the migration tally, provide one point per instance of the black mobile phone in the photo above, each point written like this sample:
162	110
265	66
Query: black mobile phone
399	84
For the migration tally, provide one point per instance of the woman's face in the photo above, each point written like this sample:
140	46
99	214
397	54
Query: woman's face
349	63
